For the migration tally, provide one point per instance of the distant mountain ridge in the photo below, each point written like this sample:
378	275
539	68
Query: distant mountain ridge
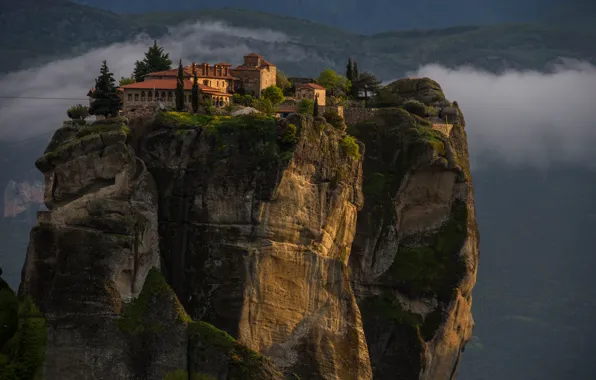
364	16
38	31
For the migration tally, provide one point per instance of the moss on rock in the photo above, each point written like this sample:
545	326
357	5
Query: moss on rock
427	265
214	351
23	339
137	316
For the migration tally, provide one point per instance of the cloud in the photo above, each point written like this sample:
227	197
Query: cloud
525	117
516	116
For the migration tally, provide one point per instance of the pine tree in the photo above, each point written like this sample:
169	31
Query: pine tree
349	70
180	89
155	60
194	99
106	101
315	110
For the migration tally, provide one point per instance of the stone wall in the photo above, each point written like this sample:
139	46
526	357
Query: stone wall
338	109
354	115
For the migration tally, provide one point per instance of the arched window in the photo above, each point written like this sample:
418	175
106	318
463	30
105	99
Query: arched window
150	96
142	96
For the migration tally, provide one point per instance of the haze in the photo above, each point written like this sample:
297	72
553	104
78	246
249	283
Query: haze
517	117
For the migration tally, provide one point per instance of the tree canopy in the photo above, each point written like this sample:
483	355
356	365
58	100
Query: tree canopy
78	113
124	81
336	84
367	83
105	99
155	60
274	94
282	81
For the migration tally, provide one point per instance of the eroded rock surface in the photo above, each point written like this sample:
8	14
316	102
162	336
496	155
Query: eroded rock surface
415	253
256	233
190	246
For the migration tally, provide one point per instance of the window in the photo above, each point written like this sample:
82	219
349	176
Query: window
206	82
143	96
170	96
163	96
130	97
150	95
136	97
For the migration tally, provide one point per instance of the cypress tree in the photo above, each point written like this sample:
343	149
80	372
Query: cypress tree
105	100
315	110
355	80
180	88
349	70
194	99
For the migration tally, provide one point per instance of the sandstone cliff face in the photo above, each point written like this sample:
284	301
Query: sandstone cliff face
255	236
415	252
256	221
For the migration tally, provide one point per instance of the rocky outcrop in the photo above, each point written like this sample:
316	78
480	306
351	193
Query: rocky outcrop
188	246
415	252
256	223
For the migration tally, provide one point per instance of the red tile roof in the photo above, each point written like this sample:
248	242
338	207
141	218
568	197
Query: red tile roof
314	86
170	84
188	73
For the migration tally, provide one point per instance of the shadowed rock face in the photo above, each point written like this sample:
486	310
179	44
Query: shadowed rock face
415	253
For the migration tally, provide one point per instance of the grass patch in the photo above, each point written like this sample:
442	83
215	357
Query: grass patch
431	137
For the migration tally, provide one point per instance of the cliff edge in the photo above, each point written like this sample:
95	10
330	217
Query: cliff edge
415	253
182	246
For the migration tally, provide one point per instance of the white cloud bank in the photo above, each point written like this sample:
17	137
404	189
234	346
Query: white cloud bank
520	117
525	116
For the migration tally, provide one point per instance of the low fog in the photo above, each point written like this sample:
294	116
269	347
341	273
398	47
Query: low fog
518	117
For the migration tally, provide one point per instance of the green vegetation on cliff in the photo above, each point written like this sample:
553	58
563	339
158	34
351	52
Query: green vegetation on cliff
157	313
209	343
264	138
23	335
429	264
137	316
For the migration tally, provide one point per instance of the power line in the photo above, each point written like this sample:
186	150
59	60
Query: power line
39	98
26	140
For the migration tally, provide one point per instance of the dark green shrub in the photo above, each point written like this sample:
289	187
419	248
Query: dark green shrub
334	119
415	107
